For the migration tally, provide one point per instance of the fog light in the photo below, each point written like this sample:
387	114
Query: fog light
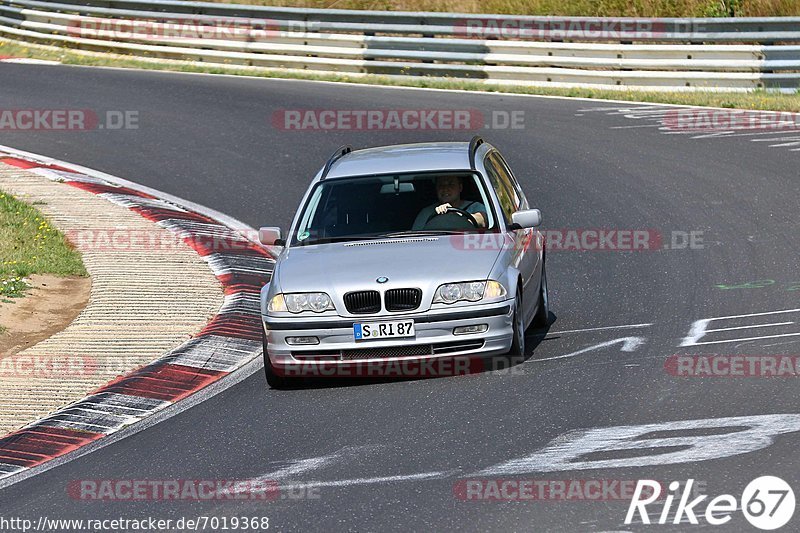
466	330
301	341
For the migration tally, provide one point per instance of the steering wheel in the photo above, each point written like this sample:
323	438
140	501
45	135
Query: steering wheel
465	214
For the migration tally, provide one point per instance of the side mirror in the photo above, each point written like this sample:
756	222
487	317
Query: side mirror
270	236
529	218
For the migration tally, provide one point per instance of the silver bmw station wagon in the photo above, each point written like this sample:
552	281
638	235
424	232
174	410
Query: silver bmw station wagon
404	254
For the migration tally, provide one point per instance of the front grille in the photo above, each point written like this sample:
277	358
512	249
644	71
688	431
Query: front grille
362	302
402	299
411	350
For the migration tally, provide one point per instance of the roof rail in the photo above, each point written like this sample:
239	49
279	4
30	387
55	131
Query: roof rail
474	143
338	154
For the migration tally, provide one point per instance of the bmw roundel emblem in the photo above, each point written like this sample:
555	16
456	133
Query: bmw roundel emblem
382	279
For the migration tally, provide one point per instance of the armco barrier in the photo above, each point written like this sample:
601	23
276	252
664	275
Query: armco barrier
669	54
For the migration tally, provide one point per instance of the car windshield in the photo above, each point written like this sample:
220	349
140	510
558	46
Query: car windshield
397	205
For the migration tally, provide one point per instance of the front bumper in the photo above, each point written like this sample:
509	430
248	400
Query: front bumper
433	340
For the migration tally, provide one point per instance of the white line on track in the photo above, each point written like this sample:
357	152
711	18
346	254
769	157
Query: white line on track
779	138
764	313
749	327
370	480
303	466
635	126
782	145
748	339
626	326
629	344
734	133
299	467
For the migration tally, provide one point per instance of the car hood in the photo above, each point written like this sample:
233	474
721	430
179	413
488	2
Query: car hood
408	262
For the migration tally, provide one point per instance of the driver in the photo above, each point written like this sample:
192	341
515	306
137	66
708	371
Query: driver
448	191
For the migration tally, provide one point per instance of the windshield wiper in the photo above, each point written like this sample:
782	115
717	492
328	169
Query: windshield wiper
373	236
420	233
343	238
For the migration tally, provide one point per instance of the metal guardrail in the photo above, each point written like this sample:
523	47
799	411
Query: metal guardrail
499	49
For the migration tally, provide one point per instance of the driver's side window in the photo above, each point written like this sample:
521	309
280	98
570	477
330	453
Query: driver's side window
508	201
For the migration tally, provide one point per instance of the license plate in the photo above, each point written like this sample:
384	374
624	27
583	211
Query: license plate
383	330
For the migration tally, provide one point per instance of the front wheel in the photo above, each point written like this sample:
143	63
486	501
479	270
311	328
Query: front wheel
518	335
542	317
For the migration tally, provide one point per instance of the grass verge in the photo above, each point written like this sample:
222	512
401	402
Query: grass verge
586	8
30	245
758	99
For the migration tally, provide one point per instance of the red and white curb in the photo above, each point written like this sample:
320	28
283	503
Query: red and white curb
229	341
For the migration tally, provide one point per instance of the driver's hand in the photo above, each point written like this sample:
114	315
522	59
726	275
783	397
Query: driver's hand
442	209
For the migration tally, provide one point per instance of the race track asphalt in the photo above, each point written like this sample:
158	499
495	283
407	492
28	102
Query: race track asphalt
392	452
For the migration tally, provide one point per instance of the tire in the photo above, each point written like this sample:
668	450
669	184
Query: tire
518	329
273	380
542	317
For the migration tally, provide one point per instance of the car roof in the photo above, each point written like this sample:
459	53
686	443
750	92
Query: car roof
401	158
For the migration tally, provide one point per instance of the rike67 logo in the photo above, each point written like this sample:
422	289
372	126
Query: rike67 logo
767	503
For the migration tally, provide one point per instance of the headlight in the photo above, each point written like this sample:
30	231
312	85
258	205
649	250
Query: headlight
470	291
299	302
